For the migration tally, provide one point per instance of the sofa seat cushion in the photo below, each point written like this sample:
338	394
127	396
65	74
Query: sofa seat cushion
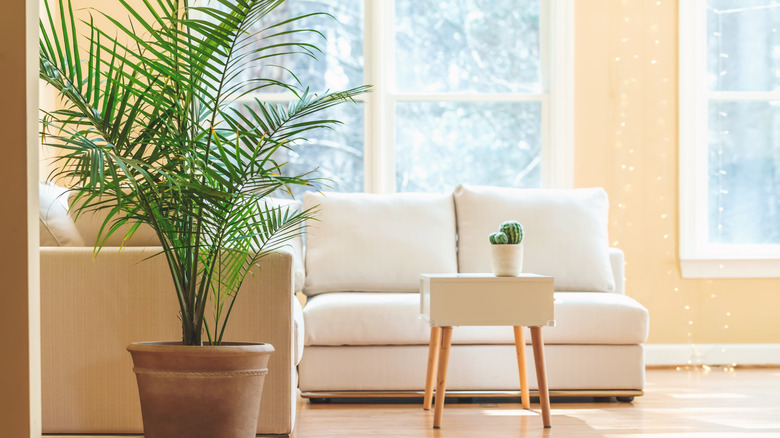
393	319
378	243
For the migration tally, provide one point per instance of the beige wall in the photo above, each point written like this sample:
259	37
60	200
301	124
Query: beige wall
626	141
20	391
48	97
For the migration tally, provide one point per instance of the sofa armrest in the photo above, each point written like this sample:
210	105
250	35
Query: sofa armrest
617	260
92	308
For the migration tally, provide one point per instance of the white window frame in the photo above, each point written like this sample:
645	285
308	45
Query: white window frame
698	258
557	97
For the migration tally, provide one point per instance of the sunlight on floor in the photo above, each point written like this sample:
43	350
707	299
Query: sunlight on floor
730	411
509	413
746	423
709	395
691	435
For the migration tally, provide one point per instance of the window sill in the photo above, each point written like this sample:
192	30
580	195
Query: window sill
730	267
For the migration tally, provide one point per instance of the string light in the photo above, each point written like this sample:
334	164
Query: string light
641	121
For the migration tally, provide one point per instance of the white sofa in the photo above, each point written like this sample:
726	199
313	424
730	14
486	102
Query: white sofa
363	260
93	307
363	335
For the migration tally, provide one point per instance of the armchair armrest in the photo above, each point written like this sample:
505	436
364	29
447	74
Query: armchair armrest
92	308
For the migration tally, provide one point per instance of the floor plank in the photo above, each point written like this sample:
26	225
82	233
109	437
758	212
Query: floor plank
692	403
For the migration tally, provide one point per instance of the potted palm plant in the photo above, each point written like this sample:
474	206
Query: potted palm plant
152	131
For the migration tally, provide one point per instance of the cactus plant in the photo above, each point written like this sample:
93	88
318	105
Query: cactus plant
498	238
513	231
510	232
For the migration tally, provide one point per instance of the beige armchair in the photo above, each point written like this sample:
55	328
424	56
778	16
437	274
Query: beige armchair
93	307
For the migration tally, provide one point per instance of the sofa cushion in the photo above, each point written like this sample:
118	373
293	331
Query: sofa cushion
56	226
298	331
295	245
379	243
89	223
565	232
393	319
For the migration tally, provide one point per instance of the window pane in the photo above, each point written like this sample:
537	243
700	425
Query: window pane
743	43
339	66
467	46
442	144
334	154
744	172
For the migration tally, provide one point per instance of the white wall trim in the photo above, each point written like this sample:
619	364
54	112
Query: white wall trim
692	128
730	268
561	77
712	354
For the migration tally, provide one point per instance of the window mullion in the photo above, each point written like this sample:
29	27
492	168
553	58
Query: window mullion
557	52
379	65
743	96
469	97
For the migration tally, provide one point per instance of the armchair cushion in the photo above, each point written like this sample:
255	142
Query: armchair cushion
56	226
89	223
294	245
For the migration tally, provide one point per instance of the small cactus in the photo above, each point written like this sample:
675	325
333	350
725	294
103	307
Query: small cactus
513	231
498	238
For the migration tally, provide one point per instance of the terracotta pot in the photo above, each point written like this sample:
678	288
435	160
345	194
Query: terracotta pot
506	260
200	392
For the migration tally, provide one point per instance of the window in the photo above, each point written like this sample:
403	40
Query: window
730	138
465	91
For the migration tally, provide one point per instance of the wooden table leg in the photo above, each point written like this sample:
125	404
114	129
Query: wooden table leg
520	348
433	362
541	374
441	378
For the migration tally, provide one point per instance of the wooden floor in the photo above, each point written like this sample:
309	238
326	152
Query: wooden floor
700	403
697	403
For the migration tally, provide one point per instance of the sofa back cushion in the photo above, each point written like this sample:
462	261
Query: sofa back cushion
378	243
565	232
294	245
89	223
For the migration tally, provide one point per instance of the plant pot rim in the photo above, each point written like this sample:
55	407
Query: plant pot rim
225	347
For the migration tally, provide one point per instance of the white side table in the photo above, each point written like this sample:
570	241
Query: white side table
448	300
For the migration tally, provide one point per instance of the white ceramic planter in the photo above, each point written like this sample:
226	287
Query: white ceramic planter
506	260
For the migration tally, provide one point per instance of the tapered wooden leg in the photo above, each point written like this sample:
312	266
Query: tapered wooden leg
433	362
520	347
441	378
541	374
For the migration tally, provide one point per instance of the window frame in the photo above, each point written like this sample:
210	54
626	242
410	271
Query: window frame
698	258
556	41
